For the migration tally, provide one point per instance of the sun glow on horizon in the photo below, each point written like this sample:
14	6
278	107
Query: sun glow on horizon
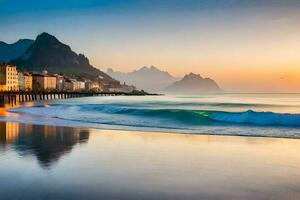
246	46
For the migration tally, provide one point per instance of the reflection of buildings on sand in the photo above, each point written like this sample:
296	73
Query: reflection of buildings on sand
8	132
47	143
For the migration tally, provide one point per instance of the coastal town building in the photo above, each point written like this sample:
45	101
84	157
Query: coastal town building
21	80
74	85
112	86
114	89
60	80
105	87
25	81
68	85
44	82
28	81
127	88
12	80
80	86
8	78
115	86
92	86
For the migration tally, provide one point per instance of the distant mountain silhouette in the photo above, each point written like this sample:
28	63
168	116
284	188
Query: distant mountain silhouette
149	78
47	52
193	84
15	50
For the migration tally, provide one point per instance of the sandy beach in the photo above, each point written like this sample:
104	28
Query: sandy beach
150	100
49	162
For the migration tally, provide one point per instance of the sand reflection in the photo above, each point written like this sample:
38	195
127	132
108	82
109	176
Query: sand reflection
47	143
106	164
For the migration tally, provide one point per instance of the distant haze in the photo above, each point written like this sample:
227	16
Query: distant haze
150	78
245	45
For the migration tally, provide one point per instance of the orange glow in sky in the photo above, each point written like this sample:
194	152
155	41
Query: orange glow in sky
246	46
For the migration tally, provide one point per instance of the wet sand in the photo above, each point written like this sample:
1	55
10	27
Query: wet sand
48	162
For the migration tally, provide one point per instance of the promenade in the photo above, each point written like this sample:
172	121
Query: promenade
13	98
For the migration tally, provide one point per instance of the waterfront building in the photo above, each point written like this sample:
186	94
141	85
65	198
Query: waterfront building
44	82
127	88
121	88
21	81
25	81
105	87
114	89
28	81
92	86
60	80
74	85
80	86
111	86
8	78
68	85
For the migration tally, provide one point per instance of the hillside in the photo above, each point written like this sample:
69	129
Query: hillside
47	52
14	50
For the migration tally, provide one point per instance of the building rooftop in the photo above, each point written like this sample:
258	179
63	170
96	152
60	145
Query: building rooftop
43	75
2	64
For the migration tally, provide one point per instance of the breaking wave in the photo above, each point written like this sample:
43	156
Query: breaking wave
91	113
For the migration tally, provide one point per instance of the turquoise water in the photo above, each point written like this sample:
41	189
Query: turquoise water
273	115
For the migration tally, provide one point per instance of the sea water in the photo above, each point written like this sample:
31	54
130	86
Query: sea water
269	115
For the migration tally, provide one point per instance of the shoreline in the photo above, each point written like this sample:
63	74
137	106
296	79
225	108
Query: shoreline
6	116
121	164
152	131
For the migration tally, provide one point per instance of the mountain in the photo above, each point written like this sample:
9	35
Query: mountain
47	52
148	78
193	84
13	51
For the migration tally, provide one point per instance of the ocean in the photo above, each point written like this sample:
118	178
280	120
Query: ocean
265	115
128	147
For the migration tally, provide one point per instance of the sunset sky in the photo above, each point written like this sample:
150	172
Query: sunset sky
245	45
